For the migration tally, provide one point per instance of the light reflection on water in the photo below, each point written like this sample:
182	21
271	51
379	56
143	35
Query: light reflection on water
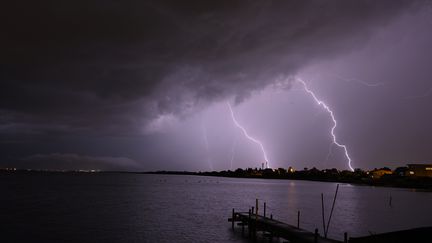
169	208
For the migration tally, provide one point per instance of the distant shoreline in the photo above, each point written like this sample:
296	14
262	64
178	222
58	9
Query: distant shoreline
423	183
395	182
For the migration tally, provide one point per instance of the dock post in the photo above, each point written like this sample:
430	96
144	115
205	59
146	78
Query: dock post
243	223
255	230
256	218
271	216
322	212
249	223
233	219
264	209
298	219
253	210
316	236
345	237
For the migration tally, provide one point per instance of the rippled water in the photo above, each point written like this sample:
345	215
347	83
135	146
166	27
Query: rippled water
169	208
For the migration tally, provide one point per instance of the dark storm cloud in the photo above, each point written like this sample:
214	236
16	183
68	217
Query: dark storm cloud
116	64
60	161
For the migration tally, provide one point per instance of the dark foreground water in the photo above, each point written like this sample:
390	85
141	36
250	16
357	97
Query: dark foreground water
164	208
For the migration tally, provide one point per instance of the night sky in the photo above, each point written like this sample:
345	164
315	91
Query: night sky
144	85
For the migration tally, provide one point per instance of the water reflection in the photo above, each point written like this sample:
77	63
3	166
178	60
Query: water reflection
157	208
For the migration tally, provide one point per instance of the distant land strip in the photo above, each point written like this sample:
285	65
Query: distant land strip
358	177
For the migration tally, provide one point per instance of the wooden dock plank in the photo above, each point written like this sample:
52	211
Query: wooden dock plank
274	228
280	229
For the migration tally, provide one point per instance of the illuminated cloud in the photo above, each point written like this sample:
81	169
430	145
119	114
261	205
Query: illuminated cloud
131	77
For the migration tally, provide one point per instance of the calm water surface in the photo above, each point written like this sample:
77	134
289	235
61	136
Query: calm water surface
169	208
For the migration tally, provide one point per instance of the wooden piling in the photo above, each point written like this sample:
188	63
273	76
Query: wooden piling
233	219
264	209
242	225
254	228
345	237
316	236
322	212
298	219
249	222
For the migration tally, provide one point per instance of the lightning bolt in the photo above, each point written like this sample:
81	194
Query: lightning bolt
245	133
327	108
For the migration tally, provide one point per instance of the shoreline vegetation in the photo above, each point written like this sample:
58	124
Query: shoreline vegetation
358	177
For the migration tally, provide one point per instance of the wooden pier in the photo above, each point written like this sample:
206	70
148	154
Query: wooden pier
273	228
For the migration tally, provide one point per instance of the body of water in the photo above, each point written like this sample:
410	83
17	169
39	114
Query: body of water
175	208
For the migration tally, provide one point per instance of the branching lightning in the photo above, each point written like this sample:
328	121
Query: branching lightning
325	106
245	133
